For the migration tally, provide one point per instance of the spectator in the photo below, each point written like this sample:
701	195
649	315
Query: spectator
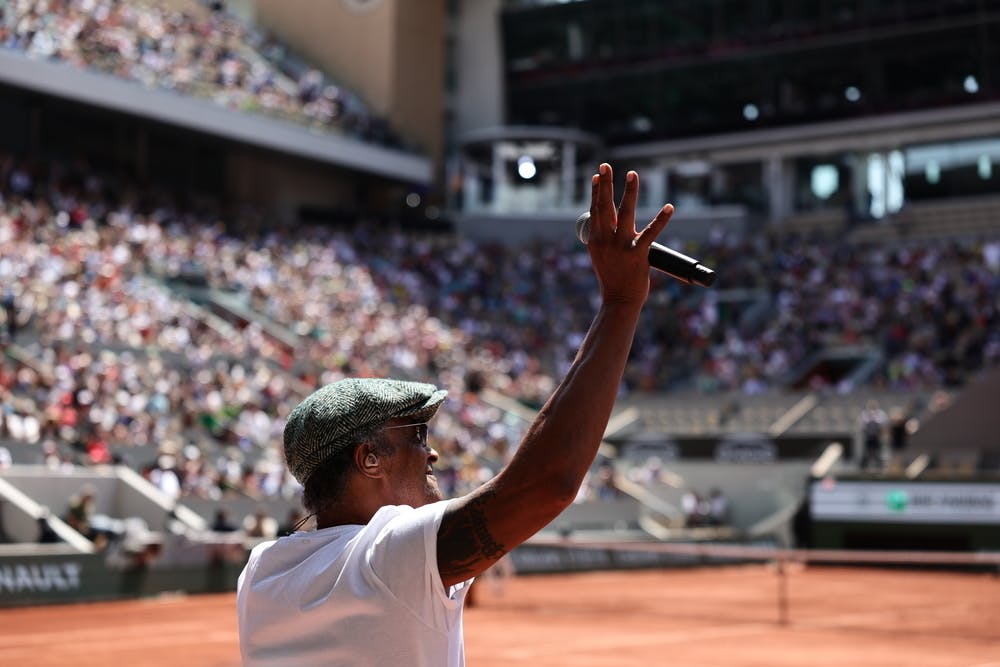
692	506
605	487
718	508
80	511
9	315
221	523
872	421
901	427
46	535
260	524
165	477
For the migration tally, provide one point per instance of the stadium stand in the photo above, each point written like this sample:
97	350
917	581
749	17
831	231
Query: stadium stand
192	50
291	334
969	217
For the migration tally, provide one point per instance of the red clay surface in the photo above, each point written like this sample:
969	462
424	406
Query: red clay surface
722	617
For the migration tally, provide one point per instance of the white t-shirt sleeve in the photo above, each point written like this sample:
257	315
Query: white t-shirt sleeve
403	557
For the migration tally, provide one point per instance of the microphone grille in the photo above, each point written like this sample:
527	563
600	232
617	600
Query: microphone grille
583	228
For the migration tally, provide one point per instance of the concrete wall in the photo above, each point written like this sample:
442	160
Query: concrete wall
478	98
965	428
113	496
283	184
755	492
390	52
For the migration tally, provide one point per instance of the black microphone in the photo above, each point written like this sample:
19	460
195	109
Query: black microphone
676	265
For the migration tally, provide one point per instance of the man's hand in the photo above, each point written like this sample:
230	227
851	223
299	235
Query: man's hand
620	253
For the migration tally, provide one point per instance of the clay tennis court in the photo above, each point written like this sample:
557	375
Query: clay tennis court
696	617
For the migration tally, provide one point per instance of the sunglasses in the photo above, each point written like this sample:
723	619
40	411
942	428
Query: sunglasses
421	430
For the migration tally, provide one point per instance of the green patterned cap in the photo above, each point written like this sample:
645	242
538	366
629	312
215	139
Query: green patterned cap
330	418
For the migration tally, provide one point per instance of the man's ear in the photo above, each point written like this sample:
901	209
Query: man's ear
367	462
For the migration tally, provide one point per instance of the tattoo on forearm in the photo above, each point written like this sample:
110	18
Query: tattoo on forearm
477	518
465	540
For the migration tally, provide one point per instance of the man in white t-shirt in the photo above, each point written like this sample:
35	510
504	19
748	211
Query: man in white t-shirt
381	580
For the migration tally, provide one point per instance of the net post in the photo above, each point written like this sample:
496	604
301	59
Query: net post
782	589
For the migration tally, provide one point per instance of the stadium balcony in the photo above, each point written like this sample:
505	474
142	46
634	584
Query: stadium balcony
663	419
234	92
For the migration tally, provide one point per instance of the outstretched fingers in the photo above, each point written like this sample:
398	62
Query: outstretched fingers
653	229
595	195
626	210
603	219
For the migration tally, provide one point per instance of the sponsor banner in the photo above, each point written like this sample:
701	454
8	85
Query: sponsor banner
33	579
48	579
905	502
40	576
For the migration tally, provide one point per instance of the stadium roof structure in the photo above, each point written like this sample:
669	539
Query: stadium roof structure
867	133
108	92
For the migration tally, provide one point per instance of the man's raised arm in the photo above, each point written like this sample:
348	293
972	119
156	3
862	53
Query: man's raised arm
546	472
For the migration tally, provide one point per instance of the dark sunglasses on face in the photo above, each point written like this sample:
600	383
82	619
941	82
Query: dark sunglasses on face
421	430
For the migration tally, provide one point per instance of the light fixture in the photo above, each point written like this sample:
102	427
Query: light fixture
932	172
526	167
824	180
984	167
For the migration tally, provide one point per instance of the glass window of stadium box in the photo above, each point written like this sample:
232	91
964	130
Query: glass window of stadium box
956	169
693	68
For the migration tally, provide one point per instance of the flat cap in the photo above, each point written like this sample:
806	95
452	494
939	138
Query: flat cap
330	418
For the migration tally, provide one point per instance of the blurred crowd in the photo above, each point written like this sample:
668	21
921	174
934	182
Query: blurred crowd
930	308
103	353
107	354
195	51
